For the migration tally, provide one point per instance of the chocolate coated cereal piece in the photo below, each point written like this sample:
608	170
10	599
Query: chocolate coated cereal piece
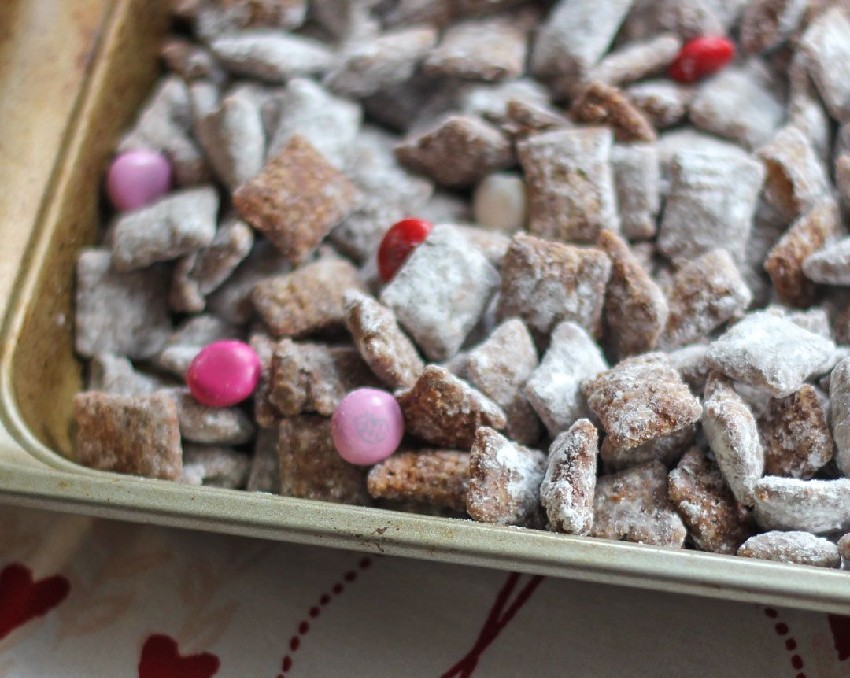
570	184
842	177
844	548
311	468
499	368
202	272
827	51
544	283
768	228
115	374
504	481
798	548
233	139
637	61
795	435
569	43
314	378
523	118
731	431
640	399
212	425
433	477
265	414
273	56
216	466
635	307
805	109
712	200
163	124
178	224
664	103
345	19
190	61
214	17
264	475
329	123
815	506
296	200
633	506
366	66
739	104
568	486
457	151
479	50
786	262
705	293
139	435
636	179
390	193
308	299
830	265
188	340
490	100
380	341
445	411
441	291
121	313
689	361
839	394
599	104
795	178
768	23
714	520
666	449
769	352
554	388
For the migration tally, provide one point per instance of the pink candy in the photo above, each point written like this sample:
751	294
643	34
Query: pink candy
223	373
367	426
138	178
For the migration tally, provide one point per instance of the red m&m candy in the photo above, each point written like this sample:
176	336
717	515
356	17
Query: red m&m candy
399	241
701	57
223	373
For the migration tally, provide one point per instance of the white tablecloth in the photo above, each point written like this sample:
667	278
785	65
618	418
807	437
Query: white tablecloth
84	597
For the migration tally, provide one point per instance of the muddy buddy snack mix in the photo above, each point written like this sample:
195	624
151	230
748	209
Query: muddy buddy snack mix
548	264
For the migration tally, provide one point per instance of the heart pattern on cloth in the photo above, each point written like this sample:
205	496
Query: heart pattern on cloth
22	599
161	659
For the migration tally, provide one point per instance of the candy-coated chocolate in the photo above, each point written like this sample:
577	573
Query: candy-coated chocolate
137	179
398	242
223	373
367	426
701	57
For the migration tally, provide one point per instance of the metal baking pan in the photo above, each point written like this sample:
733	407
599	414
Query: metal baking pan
40	374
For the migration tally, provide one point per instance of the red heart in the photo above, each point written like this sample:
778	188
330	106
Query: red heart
160	659
22	599
840	627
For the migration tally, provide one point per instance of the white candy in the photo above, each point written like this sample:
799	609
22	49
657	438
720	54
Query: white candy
499	202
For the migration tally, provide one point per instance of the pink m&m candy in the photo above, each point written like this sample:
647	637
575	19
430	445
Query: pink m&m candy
223	373
138	178
367	426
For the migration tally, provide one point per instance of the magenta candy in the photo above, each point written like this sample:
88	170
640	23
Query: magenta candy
367	426
223	373
137	179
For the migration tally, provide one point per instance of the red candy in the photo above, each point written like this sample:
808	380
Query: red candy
398	243
701	57
223	373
